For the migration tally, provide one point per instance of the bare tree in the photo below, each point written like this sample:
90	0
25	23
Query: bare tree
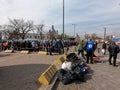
87	36
5	31
20	28
77	38
93	36
14	28
25	28
39	31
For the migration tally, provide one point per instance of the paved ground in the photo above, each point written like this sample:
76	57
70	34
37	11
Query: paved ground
20	71
101	77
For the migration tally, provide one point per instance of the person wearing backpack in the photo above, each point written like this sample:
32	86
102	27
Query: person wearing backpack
89	47
113	51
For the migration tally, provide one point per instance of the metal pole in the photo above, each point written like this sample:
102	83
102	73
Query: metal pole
85	36
63	19
104	34
74	28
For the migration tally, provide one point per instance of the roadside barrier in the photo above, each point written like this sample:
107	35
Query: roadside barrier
64	56
61	59
24	52
43	53
9	51
47	76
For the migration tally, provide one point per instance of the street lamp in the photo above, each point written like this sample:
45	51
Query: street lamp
104	33
74	28
63	19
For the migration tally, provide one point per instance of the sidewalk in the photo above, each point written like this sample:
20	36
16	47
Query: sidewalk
102	77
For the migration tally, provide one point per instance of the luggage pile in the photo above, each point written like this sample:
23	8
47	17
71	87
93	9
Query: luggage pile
72	69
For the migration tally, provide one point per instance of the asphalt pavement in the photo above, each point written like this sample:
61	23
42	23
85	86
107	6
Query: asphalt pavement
20	71
102	76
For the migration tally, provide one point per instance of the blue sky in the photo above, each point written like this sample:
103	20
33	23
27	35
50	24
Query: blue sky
88	15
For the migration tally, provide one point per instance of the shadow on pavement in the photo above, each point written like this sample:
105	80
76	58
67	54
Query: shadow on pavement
21	77
105	61
119	63
4	55
56	85
101	56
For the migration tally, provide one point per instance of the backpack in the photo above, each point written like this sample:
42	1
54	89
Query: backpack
90	45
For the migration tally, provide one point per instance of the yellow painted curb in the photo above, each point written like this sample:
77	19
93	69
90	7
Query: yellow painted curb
64	56
24	52
47	76
42	53
61	59
9	51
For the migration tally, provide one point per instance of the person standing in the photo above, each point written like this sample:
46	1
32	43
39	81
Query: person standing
81	49
89	47
51	47
104	47
113	51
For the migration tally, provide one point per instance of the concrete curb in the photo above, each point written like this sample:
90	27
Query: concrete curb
52	83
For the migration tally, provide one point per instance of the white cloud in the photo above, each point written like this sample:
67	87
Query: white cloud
30	9
89	15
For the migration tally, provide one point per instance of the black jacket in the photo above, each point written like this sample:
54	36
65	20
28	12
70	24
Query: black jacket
113	49
104	46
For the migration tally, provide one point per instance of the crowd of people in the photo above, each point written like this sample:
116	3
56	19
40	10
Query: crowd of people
90	46
34	45
85	48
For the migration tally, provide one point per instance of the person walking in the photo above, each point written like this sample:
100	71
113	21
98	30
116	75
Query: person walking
51	47
104	47
81	49
89	47
113	51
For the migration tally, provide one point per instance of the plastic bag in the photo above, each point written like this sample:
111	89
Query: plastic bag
103	50
67	65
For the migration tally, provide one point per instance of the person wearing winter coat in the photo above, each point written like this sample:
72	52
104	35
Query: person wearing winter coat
113	51
51	47
104	47
81	49
90	47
